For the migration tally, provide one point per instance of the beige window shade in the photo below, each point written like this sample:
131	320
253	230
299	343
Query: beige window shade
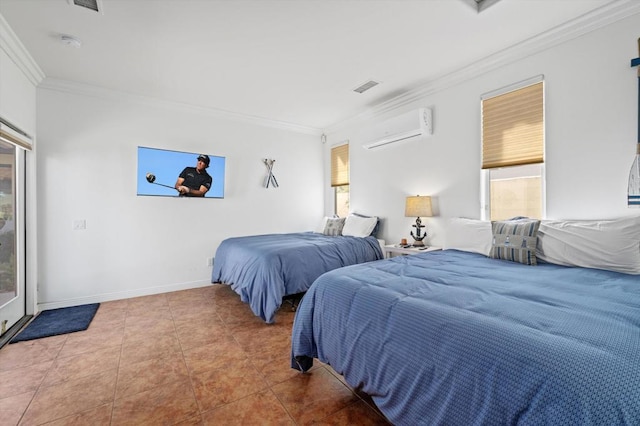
340	165
513	128
13	136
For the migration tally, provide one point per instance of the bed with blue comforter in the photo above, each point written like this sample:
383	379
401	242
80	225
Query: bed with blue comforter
457	338
263	269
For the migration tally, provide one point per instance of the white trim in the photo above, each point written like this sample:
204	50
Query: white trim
106	297
11	44
594	20
67	86
512	87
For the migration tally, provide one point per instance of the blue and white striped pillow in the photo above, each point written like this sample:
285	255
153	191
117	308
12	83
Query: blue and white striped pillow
515	240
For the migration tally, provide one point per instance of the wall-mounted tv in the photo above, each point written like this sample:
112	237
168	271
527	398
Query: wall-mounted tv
195	175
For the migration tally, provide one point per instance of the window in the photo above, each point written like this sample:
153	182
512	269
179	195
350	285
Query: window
340	178
513	151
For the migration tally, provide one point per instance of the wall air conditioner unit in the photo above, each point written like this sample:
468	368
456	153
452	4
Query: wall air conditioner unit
412	124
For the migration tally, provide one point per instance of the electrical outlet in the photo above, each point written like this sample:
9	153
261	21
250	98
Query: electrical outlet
209	261
79	224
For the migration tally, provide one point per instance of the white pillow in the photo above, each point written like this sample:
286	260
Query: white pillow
358	226
602	244
470	235
320	229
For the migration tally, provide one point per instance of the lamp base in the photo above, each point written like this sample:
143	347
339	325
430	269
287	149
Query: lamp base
418	243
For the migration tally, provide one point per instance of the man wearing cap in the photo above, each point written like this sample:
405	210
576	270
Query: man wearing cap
195	181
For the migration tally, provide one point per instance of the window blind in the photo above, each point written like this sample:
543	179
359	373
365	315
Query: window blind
340	165
14	136
513	128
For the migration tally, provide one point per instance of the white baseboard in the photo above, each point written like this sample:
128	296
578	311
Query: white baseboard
106	297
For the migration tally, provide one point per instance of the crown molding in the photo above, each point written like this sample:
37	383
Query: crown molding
76	88
594	20
11	44
16	51
601	17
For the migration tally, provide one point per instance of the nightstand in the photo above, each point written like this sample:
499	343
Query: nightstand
393	249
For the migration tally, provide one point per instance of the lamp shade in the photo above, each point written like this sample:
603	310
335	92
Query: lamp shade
418	207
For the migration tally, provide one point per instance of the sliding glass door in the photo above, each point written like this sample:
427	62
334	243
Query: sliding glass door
12	235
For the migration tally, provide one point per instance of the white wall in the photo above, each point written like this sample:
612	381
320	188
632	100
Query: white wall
136	245
591	122
19	76
18	100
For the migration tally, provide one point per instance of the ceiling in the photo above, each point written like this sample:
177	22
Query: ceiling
288	61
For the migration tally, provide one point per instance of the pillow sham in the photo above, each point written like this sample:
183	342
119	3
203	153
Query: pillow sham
359	226
470	235
515	240
613	245
333	226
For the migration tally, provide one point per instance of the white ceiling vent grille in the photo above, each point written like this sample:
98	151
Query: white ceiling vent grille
480	5
366	86
95	5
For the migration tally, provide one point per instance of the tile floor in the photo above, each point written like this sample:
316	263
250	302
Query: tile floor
193	357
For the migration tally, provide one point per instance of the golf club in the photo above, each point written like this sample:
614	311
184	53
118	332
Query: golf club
151	178
271	178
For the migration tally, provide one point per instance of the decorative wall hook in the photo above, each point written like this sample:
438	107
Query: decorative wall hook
271	178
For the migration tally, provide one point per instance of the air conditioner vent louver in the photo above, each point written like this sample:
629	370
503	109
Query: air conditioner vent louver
88	4
366	86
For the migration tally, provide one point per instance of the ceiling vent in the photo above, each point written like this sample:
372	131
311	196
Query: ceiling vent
480	5
366	86
95	5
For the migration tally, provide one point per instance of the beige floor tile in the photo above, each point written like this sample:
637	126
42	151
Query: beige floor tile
275	366
167	404
145	327
141	376
190	358
98	416
213	356
262	408
357	414
12	408
148	303
91	340
108	319
227	384
71	397
82	365
200	333
313	396
21	354
23	379
149	347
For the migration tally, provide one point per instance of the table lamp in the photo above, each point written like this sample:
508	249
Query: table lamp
416	207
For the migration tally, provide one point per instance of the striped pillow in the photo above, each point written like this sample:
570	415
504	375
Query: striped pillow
515	240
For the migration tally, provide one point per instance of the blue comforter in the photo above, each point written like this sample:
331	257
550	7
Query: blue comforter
263	269
456	338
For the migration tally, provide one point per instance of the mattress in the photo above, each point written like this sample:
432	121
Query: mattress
453	337
263	269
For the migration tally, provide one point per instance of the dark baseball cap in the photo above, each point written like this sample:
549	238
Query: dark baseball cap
204	158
